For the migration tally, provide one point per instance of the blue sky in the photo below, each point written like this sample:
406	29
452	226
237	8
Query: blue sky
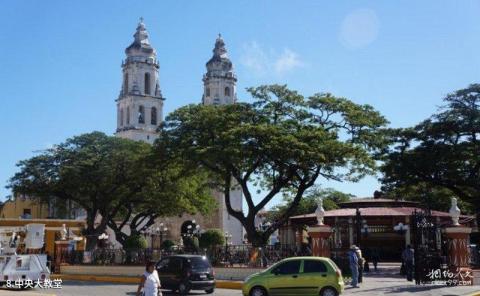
60	60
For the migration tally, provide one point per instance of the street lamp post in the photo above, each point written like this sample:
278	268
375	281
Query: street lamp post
358	227
400	228
227	237
193	230
364	229
160	231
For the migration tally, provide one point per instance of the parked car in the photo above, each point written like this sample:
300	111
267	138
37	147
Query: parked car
296	276
186	272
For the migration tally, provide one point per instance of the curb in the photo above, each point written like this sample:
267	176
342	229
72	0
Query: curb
233	285
221	284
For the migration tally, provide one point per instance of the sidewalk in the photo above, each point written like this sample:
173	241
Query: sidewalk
388	282
221	284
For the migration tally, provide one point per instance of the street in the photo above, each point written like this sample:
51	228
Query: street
74	288
379	284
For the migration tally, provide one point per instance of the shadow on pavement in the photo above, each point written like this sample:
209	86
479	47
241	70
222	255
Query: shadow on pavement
170	293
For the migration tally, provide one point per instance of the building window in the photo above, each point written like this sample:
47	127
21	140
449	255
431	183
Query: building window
207	92
125	83
27	214
141	114
147	83
121	116
128	115
227	91
153	116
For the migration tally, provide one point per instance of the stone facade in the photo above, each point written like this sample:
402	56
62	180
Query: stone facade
220	88
140	103
220	81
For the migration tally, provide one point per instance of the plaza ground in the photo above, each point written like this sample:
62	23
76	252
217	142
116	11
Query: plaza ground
374	284
386	281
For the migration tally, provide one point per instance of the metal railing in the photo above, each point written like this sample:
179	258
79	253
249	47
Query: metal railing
474	255
226	256
249	256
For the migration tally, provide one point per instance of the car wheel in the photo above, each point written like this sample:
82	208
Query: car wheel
183	288
210	291
258	291
328	292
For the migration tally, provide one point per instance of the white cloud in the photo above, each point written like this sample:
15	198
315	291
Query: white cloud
359	28
254	58
261	62
287	61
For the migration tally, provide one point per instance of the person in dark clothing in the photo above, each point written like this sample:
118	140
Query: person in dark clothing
353	262
375	257
408	259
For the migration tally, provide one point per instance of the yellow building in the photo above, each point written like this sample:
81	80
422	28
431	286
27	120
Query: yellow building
52	228
22	210
23	207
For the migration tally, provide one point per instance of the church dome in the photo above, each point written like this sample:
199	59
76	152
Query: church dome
219	61
140	45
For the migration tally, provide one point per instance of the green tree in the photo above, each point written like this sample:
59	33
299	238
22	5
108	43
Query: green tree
107	176
281	142
135	242
172	190
191	244
167	245
432	197
331	198
443	151
211	238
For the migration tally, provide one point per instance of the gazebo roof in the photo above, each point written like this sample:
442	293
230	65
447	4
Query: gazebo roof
372	211
377	202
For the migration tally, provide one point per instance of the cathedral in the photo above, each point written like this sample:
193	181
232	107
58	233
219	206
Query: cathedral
140	111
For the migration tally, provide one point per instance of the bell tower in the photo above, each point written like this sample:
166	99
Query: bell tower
140	103
220	88
220	81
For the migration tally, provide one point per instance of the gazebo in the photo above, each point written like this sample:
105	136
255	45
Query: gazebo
376	224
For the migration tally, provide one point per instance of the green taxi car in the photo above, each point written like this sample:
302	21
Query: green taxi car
296	276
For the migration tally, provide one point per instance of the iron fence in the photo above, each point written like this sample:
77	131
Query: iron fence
110	257
249	256
226	256
474	255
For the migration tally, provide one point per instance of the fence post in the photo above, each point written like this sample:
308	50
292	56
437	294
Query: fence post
320	235
458	253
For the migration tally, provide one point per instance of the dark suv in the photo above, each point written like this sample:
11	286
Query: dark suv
186	272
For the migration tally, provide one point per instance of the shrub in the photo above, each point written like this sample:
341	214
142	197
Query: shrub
135	242
211	238
167	244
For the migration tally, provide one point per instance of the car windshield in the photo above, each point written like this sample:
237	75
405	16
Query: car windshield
199	263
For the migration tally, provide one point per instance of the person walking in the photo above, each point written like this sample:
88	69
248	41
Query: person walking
361	262
375	258
353	262
408	259
150	283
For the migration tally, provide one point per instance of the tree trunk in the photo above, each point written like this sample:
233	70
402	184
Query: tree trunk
91	242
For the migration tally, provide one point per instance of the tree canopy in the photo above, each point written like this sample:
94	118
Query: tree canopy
331	198
282	141
109	178
442	151
211	238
